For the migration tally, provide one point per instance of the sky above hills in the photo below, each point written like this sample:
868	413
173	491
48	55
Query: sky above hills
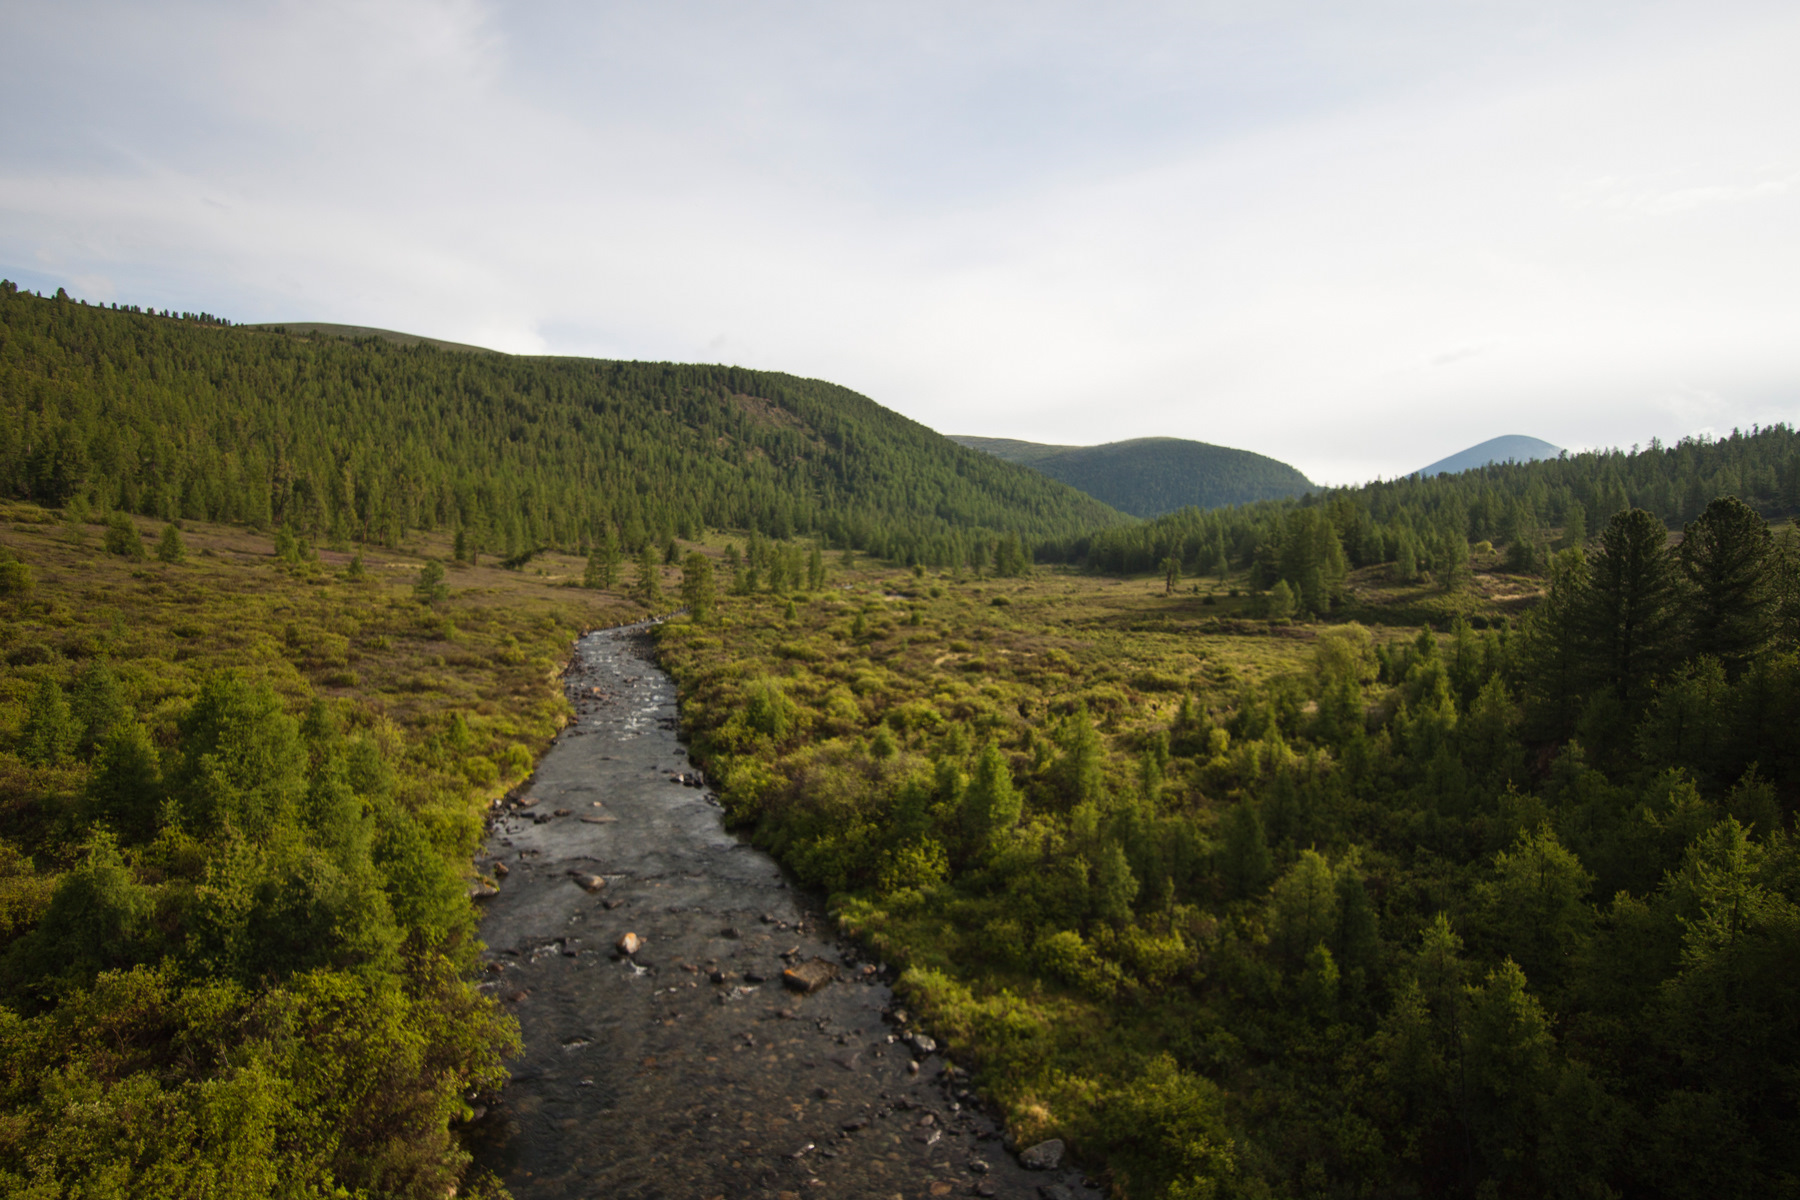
1352	237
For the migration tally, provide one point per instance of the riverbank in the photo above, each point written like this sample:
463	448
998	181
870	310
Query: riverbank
687	1068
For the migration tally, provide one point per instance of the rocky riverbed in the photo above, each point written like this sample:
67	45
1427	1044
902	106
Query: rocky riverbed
691	1028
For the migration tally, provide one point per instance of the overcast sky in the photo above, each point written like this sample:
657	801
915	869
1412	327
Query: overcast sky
1357	237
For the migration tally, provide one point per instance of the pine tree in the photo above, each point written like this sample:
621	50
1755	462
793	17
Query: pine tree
1244	862
1406	561
649	576
169	548
1725	554
122	537
610	557
50	732
430	588
1281	601
697	586
594	575
990	803
1629	607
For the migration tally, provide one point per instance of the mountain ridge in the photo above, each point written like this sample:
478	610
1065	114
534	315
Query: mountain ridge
1151	476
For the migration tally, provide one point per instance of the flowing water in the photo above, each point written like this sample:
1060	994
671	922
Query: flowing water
686	1069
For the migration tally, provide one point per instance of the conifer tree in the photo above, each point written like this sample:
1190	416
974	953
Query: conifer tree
649	576
430	588
1725	555
1628	609
610	557
1281	601
990	803
49	734
122	537
697	586
169	548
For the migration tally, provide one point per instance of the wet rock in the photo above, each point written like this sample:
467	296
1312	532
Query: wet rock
979	1166
718	976
631	943
730	931
984	1188
501	870
923	1044
809	976
854	1124
1045	1156
1054	1191
752	975
561	812
591	884
483	891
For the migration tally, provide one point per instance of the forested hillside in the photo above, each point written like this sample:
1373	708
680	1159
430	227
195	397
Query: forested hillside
1260	908
1147	477
365	440
1427	525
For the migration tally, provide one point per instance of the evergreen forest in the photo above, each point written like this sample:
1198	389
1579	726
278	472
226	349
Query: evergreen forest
366	440
1148	477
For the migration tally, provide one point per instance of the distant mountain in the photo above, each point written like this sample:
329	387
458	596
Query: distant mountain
1511	448
1147	477
363	332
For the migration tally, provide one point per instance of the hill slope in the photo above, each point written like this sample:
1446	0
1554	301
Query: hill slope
1147	477
361	332
1512	447
363	440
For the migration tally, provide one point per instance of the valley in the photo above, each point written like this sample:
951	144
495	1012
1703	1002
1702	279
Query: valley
1435	836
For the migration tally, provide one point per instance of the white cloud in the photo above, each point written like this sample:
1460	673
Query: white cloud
1355	241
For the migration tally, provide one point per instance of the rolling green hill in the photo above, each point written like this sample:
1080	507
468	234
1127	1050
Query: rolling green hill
364	440
1148	477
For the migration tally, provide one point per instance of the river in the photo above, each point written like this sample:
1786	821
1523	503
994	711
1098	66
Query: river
687	1070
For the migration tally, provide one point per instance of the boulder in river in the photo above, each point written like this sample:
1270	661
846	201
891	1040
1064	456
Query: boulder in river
809	976
630	944
591	883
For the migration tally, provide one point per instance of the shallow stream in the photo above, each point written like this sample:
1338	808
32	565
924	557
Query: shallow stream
687	1069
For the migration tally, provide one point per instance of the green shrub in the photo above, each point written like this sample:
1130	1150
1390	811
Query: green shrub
122	537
